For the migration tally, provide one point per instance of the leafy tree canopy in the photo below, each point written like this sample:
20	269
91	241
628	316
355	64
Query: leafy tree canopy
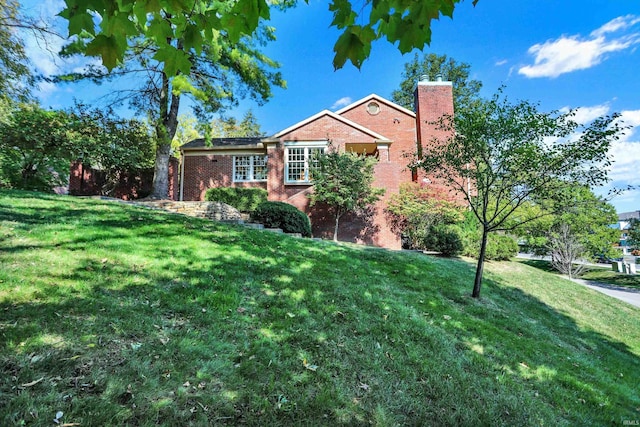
465	89
35	148
112	25
587	216
231	127
14	71
168	50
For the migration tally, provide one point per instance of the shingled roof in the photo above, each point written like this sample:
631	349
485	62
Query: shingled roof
223	142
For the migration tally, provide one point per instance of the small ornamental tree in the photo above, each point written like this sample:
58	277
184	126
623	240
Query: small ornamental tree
567	253
418	210
343	181
514	155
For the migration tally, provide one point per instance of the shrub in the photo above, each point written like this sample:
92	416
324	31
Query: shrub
439	238
499	246
282	215
243	199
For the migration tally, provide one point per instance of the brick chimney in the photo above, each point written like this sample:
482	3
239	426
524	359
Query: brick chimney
432	101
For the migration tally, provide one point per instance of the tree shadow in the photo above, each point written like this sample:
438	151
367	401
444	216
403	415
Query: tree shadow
237	313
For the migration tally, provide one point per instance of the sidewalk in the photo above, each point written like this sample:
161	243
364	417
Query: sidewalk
630	296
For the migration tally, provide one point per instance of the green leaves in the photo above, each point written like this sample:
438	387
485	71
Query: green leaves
195	23
107	48
355	45
405	22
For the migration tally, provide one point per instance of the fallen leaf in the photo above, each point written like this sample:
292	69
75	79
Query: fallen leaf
364	386
241	310
32	383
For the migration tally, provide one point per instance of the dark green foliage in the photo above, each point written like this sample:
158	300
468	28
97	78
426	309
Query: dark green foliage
443	239
243	199
282	215
634	233
35	148
499	246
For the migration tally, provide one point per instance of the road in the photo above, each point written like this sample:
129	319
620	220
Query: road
628	295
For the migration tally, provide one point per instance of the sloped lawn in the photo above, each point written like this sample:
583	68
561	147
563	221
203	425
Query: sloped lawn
116	315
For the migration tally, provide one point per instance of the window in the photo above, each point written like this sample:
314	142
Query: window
249	168
299	163
373	108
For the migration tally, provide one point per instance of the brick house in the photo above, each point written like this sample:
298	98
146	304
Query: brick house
280	163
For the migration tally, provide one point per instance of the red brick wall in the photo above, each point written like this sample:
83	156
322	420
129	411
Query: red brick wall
327	127
207	171
393	123
84	181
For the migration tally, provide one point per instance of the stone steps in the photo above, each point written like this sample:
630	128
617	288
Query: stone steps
214	211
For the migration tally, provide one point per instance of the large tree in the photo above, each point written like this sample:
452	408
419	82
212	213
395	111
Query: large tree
588	217
342	180
465	89
502	156
215	72
14	70
35	148
406	23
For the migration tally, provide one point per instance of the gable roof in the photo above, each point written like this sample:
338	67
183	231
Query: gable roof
201	143
378	98
334	116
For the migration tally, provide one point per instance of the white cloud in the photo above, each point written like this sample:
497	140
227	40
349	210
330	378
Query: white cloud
617	24
342	102
626	151
501	62
570	53
585	115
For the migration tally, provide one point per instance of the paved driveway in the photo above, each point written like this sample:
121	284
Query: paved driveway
631	296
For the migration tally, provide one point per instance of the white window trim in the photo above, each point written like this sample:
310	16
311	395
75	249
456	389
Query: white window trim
306	146
251	168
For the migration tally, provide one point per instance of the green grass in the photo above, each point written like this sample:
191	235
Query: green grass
597	274
117	315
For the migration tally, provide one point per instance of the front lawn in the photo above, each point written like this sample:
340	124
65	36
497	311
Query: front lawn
117	315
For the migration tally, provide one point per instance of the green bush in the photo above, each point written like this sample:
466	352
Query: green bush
282	215
243	199
440	238
499	246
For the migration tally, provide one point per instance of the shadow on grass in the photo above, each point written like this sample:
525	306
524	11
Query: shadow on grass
171	321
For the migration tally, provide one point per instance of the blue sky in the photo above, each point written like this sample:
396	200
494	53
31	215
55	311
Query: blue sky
562	54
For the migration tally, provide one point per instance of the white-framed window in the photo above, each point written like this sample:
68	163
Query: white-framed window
299	163
249	168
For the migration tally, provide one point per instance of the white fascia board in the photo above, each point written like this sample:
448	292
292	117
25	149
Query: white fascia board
378	98
337	117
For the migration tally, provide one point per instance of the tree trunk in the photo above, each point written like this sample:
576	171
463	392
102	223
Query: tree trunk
160	186
335	230
477	284
166	127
